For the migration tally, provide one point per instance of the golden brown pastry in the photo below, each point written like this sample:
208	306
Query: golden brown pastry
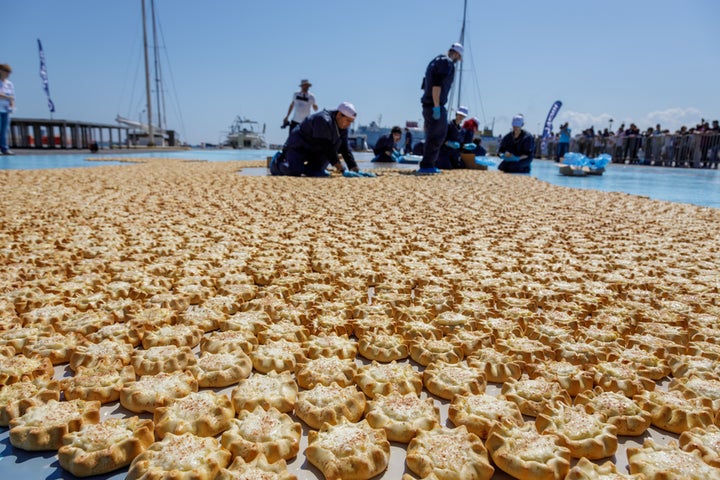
448	453
102	447
348	451
270	433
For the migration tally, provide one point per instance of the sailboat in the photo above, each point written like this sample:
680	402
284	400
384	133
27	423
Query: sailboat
146	133
375	130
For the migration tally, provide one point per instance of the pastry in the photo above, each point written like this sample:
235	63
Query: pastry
348	451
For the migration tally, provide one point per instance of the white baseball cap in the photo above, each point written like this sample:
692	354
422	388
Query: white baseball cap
518	120
462	111
347	109
457	47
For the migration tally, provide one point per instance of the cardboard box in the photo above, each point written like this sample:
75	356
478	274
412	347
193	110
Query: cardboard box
469	161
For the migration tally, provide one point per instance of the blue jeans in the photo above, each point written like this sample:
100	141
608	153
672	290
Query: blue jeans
435	131
4	129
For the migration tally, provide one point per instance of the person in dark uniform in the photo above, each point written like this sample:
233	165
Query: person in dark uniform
316	143
436	85
385	148
408	141
449	155
516	148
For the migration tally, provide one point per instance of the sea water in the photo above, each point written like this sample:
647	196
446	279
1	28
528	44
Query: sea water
684	185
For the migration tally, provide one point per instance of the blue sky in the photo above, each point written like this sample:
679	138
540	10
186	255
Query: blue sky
636	61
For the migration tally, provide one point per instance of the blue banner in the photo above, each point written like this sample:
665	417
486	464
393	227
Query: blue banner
547	130
44	77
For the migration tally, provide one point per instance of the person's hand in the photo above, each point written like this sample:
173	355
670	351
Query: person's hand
350	174
469	146
436	113
453	145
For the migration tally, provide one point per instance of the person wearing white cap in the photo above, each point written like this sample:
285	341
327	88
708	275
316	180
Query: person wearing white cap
301	103
436	85
516	148
449	154
316	143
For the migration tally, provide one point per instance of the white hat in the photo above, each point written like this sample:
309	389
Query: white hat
518	120
462	111
457	47
347	109
305	81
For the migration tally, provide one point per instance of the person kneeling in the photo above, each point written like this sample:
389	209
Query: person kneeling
386	147
316	143
516	148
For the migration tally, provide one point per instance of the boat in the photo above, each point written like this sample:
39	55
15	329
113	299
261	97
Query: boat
489	141
374	131
150	134
140	134
246	133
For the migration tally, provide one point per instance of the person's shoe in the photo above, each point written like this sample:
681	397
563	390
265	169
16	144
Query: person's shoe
320	173
428	171
274	170
8	152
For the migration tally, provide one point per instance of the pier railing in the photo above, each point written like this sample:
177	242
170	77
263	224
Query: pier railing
695	150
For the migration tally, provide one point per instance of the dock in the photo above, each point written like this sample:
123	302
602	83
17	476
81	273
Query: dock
53	134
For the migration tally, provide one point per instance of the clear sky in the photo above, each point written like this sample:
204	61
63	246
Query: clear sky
636	61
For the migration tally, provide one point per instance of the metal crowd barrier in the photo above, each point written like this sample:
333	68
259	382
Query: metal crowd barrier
695	150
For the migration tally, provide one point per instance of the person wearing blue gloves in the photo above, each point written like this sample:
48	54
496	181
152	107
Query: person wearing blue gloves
316	143
516	148
386	149
436	85
449	154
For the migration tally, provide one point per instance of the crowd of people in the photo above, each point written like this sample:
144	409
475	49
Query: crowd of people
697	146
317	140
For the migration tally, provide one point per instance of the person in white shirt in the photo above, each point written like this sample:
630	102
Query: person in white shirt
301	103
7	105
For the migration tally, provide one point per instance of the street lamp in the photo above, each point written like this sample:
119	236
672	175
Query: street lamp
610	128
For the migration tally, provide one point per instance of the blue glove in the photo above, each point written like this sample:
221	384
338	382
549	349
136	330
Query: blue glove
350	174
469	146
366	174
436	113
453	145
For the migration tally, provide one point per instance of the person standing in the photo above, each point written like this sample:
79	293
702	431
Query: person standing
301	104
7	106
316	143
563	146
516	148
436	85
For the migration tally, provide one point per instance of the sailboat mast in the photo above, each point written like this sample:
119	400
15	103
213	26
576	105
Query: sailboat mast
462	42
158	83
151	136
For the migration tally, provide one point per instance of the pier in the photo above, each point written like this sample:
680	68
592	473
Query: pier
66	134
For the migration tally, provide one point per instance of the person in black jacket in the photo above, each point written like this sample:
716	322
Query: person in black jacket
516	148
385	148
436	85
316	143
449	155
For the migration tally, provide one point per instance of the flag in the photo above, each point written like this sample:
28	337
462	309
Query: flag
547	130
44	77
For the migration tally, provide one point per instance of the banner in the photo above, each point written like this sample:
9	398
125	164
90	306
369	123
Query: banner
547	130
44	77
